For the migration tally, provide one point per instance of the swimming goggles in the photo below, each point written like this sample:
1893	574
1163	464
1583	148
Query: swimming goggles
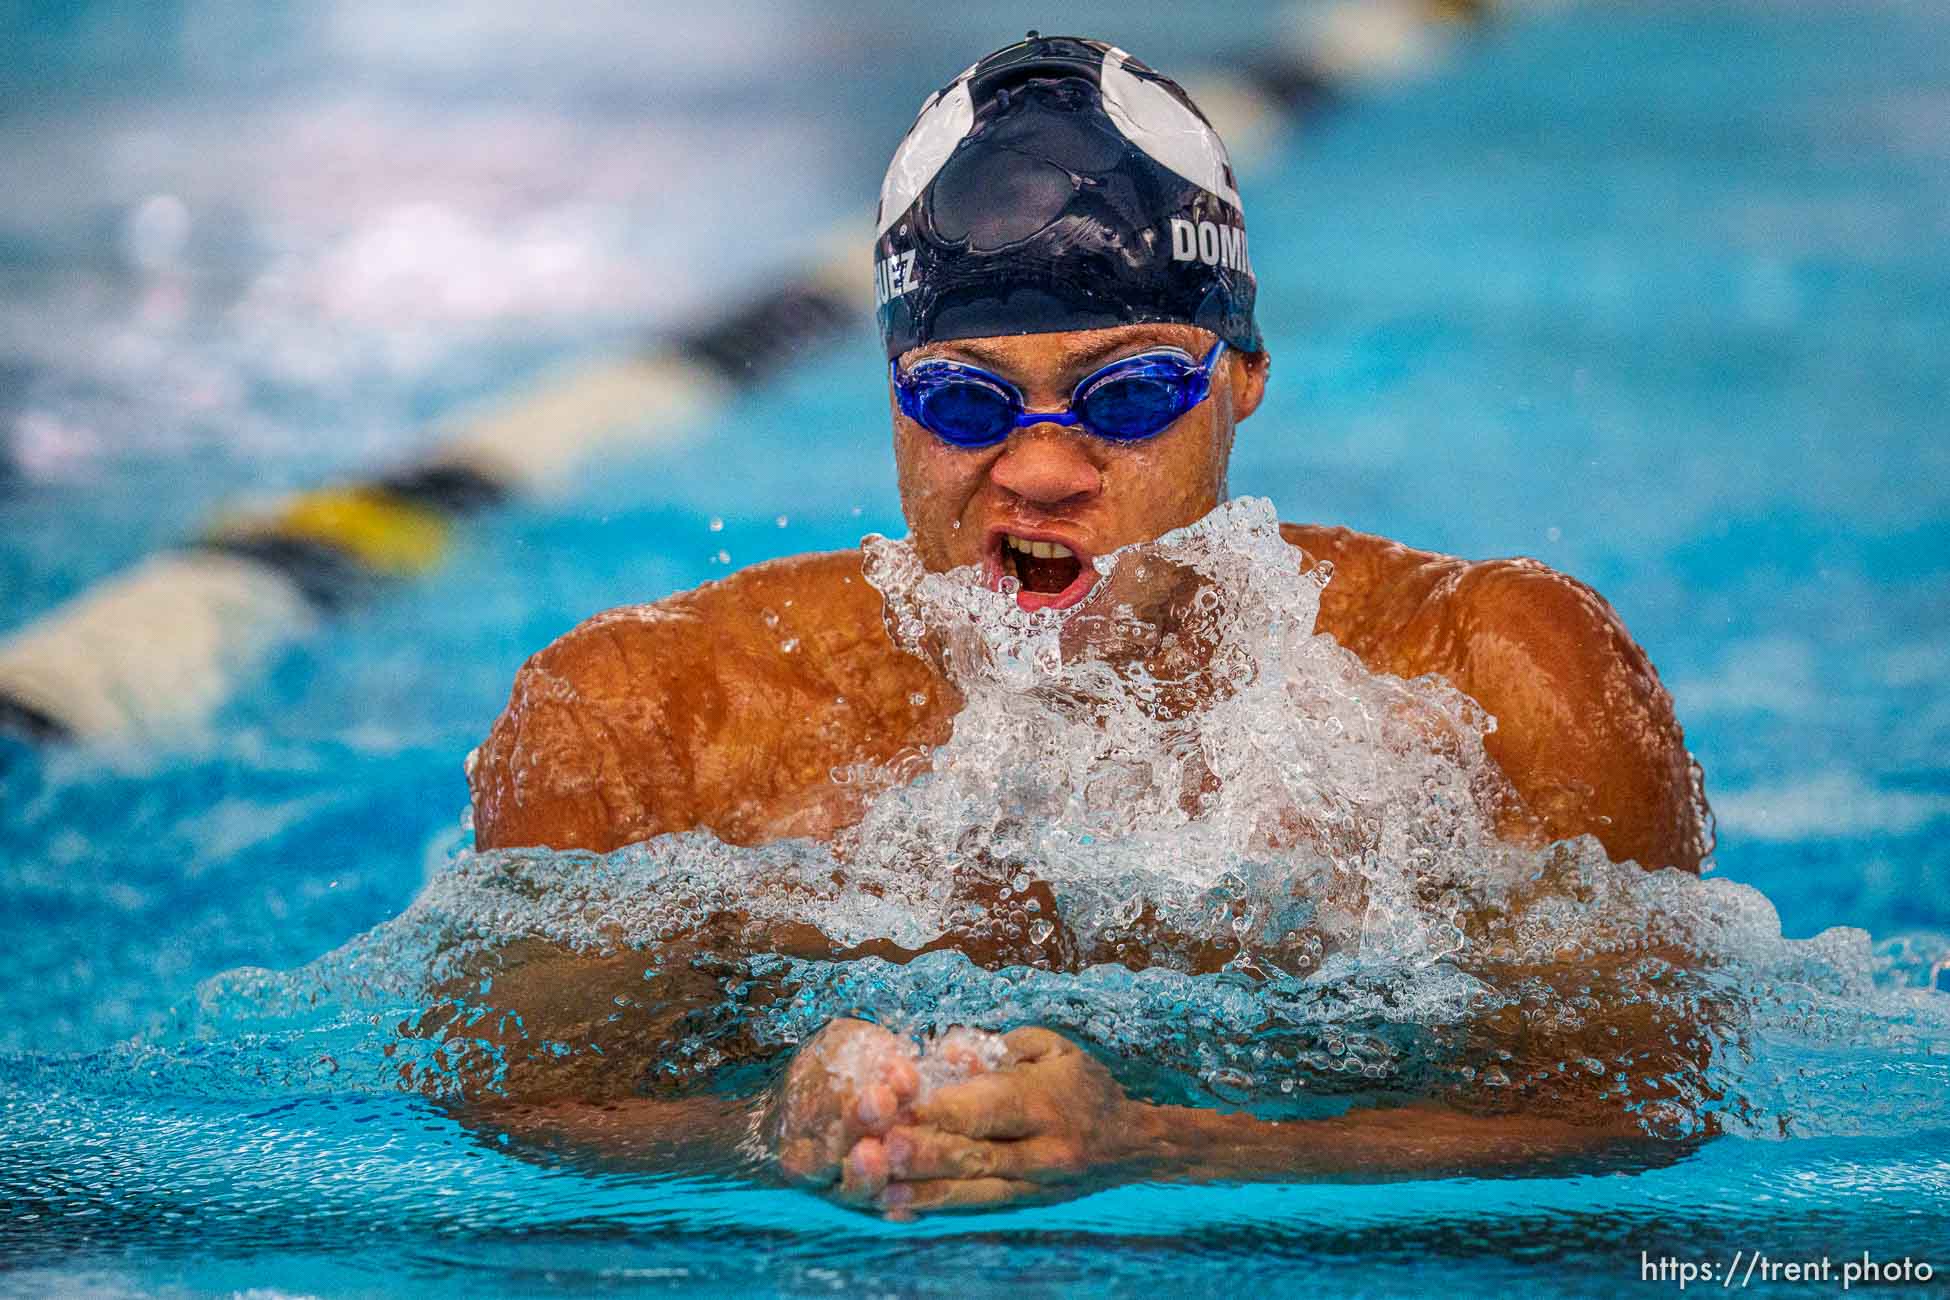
1130	399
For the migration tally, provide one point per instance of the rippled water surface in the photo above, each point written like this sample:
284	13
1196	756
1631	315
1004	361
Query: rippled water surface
1654	293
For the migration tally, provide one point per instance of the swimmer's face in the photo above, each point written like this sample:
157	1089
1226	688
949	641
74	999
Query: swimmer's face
1055	485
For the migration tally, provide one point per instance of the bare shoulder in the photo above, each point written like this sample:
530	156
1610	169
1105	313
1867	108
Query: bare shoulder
1585	730
627	661
693	711
1379	589
1424	611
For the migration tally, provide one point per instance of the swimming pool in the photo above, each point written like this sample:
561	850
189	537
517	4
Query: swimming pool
1655	294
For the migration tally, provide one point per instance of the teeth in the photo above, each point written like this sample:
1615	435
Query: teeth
1041	550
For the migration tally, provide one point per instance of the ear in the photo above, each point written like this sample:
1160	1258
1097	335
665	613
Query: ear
1249	371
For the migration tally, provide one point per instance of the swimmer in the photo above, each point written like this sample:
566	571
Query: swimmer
1067	304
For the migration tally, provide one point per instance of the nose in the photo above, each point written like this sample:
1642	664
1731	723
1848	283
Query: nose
1047	468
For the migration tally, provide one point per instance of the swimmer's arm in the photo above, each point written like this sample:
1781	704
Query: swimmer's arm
583	757
1053	1123
940	1169
724	709
691	1135
536	1028
503	1074
502	1079
1585	731
1412	1141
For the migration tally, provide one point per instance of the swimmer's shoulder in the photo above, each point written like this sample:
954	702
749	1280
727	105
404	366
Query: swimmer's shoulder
1419	610
1379	591
1585	730
649	718
769	611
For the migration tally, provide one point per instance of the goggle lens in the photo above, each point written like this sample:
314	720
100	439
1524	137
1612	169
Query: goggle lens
958	405
1125	401
1133	406
965	412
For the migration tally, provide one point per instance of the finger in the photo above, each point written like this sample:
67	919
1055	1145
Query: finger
875	1108
1032	1043
969	1051
863	1174
988	1106
922	1153
954	1194
902	1077
895	1083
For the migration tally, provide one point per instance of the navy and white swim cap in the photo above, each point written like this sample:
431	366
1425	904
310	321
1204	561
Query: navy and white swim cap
1059	184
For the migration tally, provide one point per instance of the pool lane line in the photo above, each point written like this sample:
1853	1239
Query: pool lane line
160	647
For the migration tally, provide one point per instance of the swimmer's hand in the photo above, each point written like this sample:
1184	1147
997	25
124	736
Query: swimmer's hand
1037	1128
854	1120
850	1081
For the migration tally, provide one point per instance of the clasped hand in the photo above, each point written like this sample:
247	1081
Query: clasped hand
861	1116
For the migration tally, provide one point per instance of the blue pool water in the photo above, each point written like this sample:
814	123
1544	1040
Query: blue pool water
1655	293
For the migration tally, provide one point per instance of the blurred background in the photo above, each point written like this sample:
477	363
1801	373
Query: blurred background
1654	291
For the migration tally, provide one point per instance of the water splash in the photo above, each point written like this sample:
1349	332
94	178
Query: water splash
1184	738
1175	822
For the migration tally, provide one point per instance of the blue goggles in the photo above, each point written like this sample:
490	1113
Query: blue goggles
1128	400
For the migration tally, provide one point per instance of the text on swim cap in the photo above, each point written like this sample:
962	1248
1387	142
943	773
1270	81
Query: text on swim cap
894	276
1210	243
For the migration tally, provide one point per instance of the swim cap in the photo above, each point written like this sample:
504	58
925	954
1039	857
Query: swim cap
1059	184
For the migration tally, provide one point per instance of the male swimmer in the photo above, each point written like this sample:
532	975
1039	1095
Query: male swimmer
1067	306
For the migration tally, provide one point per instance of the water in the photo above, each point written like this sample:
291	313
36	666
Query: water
1174	822
1651	295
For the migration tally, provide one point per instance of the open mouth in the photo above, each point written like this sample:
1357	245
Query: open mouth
1053	576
